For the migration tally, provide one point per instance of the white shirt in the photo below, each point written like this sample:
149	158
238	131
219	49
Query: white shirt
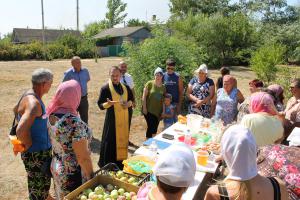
127	80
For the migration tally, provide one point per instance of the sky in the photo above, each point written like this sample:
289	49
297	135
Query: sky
62	13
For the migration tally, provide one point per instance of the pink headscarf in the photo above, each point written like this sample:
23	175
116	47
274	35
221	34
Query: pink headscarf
262	102
66	99
276	88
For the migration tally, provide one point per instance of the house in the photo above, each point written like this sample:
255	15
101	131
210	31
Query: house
110	40
26	35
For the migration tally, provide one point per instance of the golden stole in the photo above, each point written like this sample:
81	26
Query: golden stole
121	121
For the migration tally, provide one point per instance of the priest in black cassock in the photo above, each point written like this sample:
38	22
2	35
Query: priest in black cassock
117	99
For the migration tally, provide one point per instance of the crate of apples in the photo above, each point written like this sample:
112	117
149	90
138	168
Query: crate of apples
108	192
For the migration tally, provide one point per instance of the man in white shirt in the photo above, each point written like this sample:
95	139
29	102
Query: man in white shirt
126	79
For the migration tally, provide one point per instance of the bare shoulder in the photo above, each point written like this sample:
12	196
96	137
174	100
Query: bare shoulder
283	190
212	193
32	105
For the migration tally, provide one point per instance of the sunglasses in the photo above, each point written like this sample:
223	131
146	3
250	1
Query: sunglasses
170	68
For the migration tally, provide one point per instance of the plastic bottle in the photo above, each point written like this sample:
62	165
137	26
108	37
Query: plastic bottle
153	149
188	137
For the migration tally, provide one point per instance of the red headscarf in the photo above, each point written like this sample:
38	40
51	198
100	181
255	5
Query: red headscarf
66	99
262	102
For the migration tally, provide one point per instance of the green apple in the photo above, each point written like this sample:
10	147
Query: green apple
114	194
131	180
127	195
121	191
100	197
135	183
109	187
99	190
134	197
120	174
87	192
92	195
124	179
83	197
106	196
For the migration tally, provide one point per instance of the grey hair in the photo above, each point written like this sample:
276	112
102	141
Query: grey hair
75	58
41	75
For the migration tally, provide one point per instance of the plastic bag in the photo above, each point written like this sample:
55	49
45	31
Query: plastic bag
138	165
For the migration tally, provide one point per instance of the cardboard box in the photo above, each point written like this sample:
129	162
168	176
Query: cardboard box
103	180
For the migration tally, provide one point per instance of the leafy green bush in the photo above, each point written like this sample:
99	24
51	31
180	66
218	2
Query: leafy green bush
228	40
86	49
265	59
144	58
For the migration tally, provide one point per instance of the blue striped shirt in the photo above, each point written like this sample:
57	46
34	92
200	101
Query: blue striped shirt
82	77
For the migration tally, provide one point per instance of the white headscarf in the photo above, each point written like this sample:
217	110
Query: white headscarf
239	151
176	166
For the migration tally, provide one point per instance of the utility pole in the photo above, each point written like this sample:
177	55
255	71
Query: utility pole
43	30
77	9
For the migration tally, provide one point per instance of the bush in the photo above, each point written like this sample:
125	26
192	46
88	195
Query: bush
265	59
86	49
144	58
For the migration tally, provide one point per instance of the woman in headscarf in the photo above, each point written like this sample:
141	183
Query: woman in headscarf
243	182
70	137
227	100
278	91
263	119
200	92
282	161
153	96
254	86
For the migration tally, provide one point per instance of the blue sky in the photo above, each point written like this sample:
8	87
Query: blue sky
62	13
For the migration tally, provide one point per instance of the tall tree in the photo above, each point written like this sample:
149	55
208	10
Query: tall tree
182	8
115	14
277	11
94	28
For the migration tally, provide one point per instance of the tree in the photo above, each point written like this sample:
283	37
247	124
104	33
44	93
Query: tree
265	59
182	8
277	11
94	28
115	13
137	22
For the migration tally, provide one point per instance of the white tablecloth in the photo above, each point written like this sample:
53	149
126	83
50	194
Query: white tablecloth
178	130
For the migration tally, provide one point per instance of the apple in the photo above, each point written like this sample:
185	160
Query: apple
92	195
135	183
83	197
109	187
99	190
134	197
121	191
120	174
131	180
114	194
100	197
87	192
106	196
124	179
121	198
127	195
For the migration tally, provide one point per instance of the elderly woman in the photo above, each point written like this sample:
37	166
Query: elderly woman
70	137
282	161
227	100
153	96
254	86
243	181
278	92
263	120
200	92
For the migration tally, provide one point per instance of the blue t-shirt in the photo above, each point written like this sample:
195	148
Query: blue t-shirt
168	111
171	82
82	77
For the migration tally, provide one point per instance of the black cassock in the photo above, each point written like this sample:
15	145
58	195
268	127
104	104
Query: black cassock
108	148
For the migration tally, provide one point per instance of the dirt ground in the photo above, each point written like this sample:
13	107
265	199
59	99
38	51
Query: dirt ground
15	79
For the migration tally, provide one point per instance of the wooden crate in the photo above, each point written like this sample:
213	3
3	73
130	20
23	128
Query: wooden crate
103	180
